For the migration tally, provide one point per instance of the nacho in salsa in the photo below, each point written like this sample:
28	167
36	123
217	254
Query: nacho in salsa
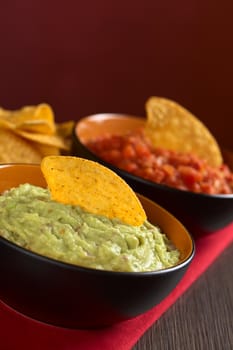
135	154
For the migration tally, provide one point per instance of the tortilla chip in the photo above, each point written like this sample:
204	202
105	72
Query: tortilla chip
171	126
97	189
13	149
38	119
50	140
65	129
4	123
46	150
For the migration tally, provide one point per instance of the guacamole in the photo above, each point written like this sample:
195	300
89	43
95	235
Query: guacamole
30	219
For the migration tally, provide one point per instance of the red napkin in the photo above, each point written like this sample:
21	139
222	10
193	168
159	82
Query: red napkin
19	332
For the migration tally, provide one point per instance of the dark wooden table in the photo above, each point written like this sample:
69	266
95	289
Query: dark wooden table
202	319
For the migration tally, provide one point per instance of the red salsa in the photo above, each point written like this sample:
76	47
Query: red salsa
135	154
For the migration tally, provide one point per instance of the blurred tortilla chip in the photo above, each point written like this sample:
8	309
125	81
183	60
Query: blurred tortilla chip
171	126
46	150
36	126
38	119
50	140
65	129
14	149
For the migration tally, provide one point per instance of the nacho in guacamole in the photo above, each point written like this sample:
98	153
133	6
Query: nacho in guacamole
68	233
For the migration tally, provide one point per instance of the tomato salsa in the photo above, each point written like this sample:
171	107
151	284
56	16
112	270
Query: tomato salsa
135	154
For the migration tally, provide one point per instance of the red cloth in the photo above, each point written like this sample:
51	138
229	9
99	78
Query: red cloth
19	332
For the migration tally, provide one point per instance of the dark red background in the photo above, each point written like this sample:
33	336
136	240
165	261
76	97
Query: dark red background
88	56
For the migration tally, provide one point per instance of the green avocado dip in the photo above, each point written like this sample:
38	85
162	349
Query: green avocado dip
30	219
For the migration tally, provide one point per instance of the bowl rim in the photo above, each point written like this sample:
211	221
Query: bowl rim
89	270
63	264
104	116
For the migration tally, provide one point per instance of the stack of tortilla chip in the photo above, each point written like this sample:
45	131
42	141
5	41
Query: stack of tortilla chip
30	133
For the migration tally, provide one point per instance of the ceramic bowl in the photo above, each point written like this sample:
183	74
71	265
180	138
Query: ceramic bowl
70	296
200	213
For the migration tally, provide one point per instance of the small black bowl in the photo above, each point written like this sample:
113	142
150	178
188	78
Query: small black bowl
75	297
200	213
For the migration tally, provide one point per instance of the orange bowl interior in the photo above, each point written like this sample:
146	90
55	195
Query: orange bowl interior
101	124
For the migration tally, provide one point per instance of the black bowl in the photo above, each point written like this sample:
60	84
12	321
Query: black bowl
200	213
75	297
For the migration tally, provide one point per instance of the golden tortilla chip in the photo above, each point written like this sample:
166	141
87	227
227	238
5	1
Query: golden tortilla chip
13	149
171	126
97	189
4	123
46	150
65	129
38	119
50	140
36	126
